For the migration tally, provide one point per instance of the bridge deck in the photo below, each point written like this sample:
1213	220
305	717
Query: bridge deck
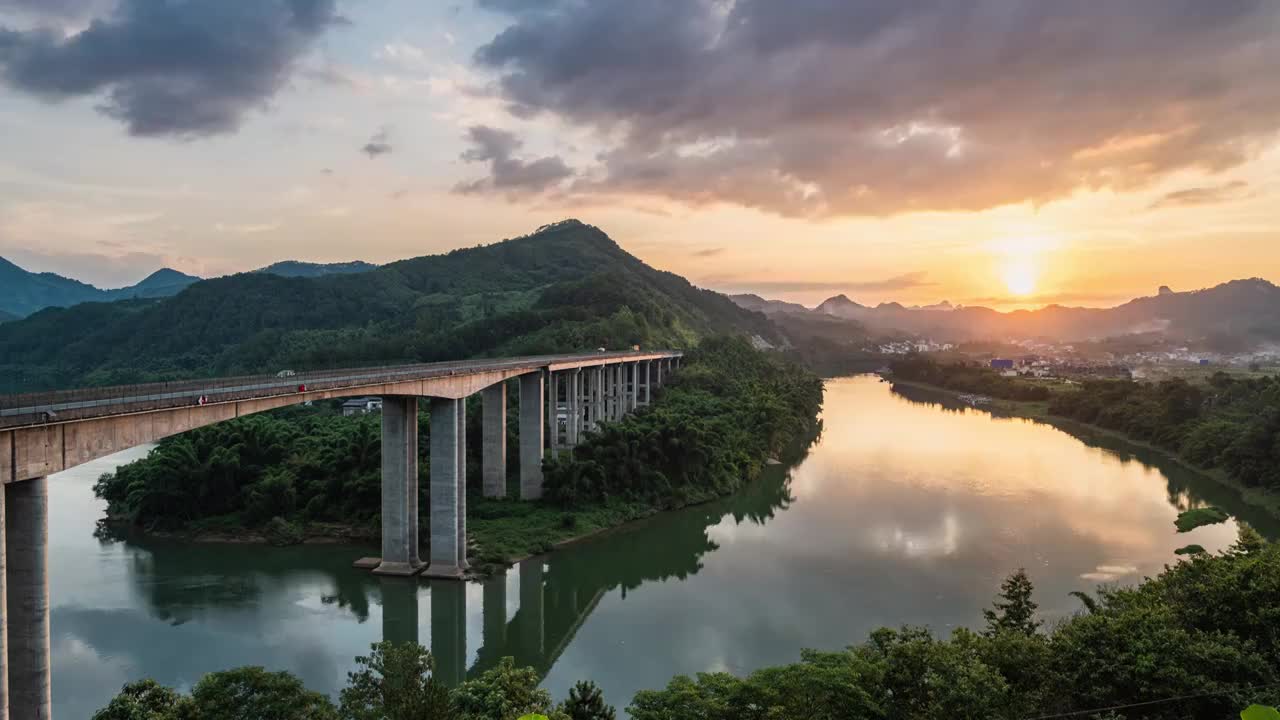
61	406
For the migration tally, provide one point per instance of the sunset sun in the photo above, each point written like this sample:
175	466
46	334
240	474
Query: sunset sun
1020	275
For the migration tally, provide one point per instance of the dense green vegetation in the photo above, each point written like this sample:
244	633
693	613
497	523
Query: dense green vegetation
394	682
1231	424
565	287
1226	423
309	471
965	377
1201	640
718	422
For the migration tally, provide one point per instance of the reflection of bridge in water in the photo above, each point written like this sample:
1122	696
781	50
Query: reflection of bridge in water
556	593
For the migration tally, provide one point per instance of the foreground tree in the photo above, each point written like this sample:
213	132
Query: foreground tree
586	702
1014	611
252	693
503	693
147	700
395	681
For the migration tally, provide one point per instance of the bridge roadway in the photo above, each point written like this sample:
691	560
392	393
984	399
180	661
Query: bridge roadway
560	396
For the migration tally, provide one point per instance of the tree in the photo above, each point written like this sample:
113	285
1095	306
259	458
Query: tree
586	702
147	700
395	681
1014	611
502	693
252	693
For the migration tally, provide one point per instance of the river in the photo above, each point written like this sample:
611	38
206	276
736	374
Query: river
908	510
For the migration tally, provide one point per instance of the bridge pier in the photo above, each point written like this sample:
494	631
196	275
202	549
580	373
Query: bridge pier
531	435
444	490
4	616
462	484
494	467
26	595
553	411
399	486
574	401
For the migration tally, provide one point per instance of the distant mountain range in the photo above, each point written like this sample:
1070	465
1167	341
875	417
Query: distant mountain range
1240	310
23	292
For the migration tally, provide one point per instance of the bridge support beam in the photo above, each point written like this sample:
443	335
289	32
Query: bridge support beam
633	390
574	402
531	436
494	466
553	411
444	490
26	526
399	486
462	484
4	616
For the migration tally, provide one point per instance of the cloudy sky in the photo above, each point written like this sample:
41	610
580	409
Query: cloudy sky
1005	152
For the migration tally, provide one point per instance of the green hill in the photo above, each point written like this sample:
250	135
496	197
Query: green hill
567	286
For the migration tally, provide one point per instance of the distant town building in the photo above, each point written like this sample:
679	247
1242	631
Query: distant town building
1001	364
361	406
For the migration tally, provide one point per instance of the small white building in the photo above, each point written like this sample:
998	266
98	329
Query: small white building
361	406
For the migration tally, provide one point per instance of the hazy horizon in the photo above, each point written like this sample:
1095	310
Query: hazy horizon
1000	153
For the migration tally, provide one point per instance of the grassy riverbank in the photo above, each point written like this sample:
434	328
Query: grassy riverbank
306	476
1039	411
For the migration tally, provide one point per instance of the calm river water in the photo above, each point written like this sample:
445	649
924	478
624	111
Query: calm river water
907	510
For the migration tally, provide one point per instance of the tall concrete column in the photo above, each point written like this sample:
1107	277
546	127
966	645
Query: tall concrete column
573	400
531	436
26	510
494	466
449	631
399	486
444	490
462	483
532	623
620	391
643	368
633	398
553	411
597	409
4	654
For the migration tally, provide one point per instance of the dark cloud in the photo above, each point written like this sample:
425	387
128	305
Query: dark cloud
865	107
182	68
1206	195
379	144
709	252
509	174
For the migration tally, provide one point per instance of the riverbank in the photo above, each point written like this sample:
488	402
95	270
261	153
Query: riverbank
1039	411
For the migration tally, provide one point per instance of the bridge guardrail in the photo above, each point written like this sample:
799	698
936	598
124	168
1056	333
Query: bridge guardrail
29	409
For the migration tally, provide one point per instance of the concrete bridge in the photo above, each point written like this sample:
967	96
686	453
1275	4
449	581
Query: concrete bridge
560	396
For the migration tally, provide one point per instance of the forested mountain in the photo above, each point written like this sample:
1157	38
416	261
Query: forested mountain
295	268
23	292
566	286
7	317
1238	313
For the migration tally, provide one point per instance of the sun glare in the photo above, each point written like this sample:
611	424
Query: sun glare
1020	275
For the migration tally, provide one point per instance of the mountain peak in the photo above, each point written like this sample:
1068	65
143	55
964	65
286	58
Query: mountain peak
297	268
165	277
